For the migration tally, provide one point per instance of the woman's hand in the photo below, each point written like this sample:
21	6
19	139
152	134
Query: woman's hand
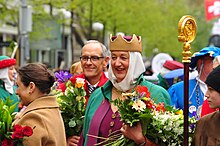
134	133
73	140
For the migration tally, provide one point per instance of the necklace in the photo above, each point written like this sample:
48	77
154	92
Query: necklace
197	96
116	93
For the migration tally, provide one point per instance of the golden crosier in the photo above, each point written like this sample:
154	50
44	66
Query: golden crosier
187	33
121	44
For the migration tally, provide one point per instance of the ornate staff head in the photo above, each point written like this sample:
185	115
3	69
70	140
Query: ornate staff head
187	33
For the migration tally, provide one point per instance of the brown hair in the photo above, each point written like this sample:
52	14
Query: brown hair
37	73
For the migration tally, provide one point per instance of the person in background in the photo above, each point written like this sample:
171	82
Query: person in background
216	62
205	106
7	80
42	113
126	69
76	68
168	66
94	58
208	127
202	62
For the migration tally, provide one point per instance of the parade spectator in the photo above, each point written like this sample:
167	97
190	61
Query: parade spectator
7	80
168	66
42	113
202	62
208	127
205	106
94	59
126	69
76	68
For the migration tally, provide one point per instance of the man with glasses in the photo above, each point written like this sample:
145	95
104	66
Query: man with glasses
94	60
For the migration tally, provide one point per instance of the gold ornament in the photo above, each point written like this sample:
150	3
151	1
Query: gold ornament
187	33
119	43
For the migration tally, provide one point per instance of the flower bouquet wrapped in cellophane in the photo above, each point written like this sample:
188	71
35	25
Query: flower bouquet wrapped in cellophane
163	126
71	99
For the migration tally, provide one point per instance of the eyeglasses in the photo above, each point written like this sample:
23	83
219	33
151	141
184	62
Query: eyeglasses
92	58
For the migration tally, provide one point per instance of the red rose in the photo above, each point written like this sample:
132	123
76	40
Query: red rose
7	142
17	135
17	127
27	131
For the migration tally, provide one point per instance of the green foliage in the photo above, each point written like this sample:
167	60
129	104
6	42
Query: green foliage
9	12
72	106
156	21
6	117
162	126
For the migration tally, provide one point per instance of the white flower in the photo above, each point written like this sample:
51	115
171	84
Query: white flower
169	127
139	105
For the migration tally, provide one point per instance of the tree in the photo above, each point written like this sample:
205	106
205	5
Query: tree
156	21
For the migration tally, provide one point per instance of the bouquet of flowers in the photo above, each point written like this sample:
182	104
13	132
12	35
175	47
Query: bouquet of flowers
161	125
71	99
11	135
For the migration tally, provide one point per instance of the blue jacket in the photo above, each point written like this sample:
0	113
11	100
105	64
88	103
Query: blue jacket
195	96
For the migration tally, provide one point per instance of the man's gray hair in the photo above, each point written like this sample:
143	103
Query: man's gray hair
105	51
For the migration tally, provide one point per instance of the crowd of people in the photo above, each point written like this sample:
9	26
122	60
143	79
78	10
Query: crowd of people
108	74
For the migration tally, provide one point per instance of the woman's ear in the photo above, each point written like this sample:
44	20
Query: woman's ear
31	87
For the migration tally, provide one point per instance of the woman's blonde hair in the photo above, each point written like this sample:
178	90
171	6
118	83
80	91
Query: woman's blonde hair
76	68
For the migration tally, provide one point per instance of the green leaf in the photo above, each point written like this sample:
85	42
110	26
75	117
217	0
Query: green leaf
72	123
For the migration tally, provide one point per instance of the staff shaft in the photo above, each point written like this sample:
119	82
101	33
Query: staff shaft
186	103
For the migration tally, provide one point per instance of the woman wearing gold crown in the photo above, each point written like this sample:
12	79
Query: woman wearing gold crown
125	73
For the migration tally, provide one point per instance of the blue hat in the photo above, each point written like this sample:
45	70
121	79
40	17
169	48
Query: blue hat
211	51
174	76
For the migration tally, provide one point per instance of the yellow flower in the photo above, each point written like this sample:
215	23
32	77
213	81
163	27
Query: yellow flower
78	98
179	112
124	96
79	82
139	106
129	94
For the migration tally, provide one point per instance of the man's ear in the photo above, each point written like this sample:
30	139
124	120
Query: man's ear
107	58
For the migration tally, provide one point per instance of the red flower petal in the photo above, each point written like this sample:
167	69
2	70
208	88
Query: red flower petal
17	127
62	87
27	131
7	142
140	89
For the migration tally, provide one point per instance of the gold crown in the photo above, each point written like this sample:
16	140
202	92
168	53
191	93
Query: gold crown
119	43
